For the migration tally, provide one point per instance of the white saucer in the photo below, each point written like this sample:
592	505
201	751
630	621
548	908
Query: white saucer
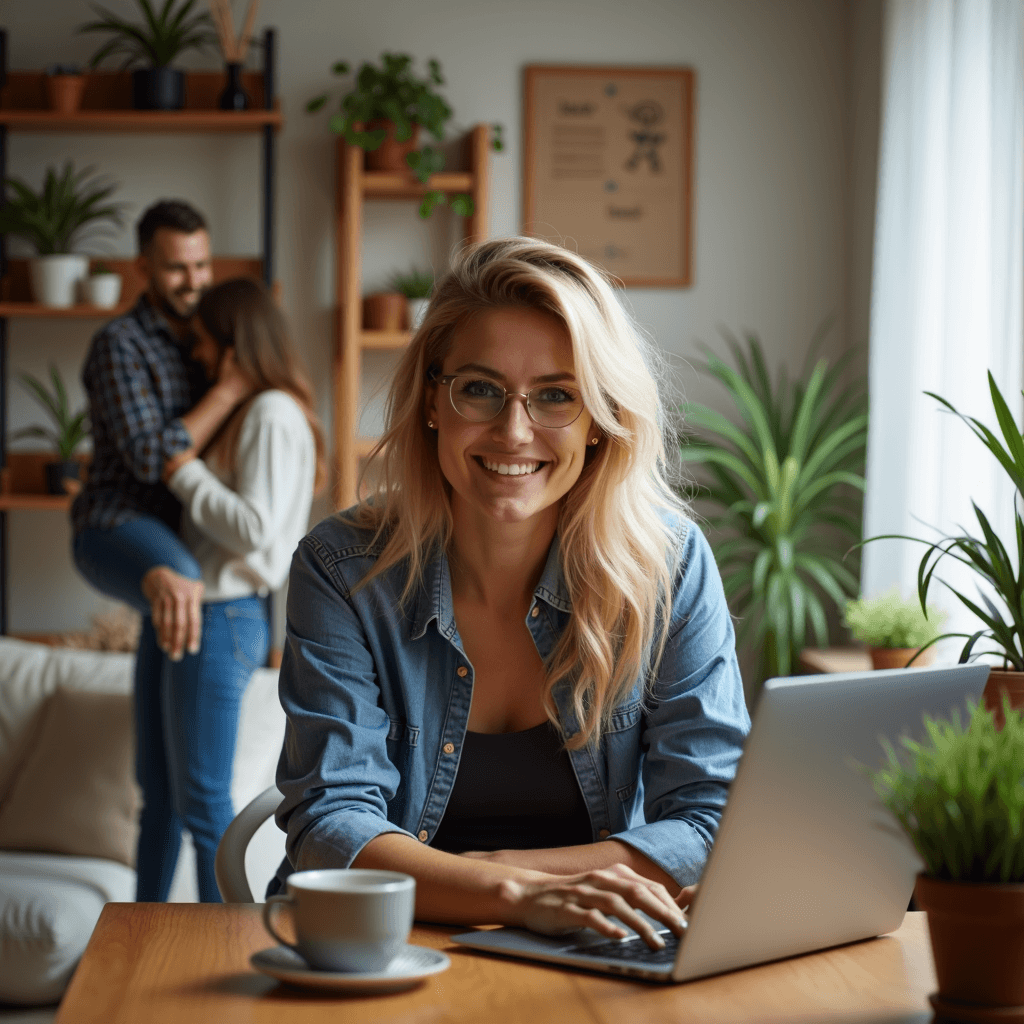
411	966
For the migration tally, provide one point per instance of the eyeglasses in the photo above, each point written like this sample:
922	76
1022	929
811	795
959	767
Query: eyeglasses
480	400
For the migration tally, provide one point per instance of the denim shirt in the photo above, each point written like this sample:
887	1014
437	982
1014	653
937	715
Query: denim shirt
377	699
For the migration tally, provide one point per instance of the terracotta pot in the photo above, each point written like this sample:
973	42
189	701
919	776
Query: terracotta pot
977	934
391	154
65	92
384	311
897	657
1000	682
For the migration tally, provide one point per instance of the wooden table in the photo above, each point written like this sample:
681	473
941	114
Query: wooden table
189	964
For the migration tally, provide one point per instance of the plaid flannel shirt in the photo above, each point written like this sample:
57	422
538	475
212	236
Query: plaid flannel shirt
139	380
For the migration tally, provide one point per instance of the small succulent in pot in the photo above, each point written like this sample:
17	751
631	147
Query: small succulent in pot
65	85
416	286
69	430
959	797
897	631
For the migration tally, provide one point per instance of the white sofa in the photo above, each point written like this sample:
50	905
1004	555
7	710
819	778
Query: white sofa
50	895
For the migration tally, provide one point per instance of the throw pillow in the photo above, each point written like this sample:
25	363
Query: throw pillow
75	792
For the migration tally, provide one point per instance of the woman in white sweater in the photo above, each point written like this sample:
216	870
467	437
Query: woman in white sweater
246	503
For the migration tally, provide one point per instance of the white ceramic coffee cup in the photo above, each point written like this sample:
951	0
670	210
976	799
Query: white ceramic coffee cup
345	919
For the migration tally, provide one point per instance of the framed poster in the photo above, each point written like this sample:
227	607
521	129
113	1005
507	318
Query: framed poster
608	168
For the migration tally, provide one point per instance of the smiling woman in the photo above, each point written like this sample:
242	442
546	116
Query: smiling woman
511	673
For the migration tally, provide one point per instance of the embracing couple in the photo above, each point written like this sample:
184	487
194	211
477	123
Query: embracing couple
207	453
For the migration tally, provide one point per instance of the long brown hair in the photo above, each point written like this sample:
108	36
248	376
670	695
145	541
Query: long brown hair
241	314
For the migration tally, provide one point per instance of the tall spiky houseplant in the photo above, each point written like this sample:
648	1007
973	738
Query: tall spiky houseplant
999	570
785	479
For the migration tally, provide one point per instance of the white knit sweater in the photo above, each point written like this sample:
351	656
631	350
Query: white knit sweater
243	522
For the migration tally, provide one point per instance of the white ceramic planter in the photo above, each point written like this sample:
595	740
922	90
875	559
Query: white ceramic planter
55	278
417	311
103	290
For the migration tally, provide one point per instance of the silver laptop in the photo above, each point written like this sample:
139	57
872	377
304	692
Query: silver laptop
806	855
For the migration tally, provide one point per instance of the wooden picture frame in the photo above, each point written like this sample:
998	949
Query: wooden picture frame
608	168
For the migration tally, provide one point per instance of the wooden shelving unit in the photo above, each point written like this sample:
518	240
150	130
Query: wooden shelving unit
354	186
107	107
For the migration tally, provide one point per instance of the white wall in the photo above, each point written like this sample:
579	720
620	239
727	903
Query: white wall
773	183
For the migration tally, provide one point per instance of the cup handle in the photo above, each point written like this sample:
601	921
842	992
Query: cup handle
269	915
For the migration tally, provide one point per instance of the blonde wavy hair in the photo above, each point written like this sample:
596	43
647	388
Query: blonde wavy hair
617	550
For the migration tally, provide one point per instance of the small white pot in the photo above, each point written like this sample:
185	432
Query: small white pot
55	278
103	290
417	311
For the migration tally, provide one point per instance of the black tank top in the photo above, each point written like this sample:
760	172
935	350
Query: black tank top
514	791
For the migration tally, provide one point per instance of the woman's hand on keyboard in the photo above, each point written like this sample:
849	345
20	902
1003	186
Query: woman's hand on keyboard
565	903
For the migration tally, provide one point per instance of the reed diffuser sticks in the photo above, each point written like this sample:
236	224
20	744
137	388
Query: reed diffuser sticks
233	47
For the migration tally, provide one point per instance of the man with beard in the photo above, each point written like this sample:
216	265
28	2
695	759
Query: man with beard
149	402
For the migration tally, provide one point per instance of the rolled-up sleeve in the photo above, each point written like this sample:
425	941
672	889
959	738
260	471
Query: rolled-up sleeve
334	770
123	387
695	724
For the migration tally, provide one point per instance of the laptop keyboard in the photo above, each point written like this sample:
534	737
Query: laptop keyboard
633	950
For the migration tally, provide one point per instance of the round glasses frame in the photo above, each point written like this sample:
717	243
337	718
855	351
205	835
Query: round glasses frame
448	379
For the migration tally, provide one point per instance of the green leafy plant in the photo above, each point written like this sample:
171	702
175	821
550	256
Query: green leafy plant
959	797
394	93
158	40
997	569
416	284
891	621
782	479
53	219
69	429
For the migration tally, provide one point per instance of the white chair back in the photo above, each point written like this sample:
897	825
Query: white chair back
229	865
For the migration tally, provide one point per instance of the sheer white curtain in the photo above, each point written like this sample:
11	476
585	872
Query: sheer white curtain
947	288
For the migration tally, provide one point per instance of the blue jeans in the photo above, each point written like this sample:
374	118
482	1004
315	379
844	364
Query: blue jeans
186	713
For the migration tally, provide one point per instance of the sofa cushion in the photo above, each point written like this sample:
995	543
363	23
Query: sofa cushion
75	793
49	905
29	673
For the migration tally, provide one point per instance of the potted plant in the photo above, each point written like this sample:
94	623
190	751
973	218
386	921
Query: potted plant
1000	572
896	631
960	800
64	87
102	286
53	221
383	113
69	430
416	286
160	38
785	478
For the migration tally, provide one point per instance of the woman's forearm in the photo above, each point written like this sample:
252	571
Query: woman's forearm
449	888
570	860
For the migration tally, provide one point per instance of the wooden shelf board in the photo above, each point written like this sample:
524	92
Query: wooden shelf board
81	311
34	502
384	339
396	185
141	120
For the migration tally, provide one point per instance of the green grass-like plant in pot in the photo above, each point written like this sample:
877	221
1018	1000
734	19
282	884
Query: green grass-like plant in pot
54	220
894	629
382	114
786	479
999	570
164	32
959	796
68	431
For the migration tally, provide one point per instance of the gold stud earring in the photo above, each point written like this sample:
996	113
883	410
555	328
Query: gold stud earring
594	440
430	423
